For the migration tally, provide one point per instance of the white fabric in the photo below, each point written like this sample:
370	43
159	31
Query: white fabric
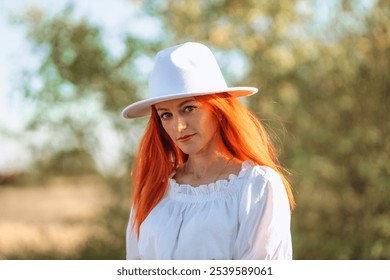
245	217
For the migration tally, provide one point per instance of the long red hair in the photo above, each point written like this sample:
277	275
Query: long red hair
243	137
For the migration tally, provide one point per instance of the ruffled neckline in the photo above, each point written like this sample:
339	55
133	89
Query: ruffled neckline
219	186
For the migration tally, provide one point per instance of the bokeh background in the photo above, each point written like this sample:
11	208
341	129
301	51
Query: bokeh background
68	68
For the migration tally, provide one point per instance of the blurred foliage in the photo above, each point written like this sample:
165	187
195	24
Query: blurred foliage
78	89
324	92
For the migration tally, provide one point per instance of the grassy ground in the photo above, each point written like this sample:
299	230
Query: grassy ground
65	218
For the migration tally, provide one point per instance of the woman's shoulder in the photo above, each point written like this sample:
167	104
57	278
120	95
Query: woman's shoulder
260	170
261	174
263	183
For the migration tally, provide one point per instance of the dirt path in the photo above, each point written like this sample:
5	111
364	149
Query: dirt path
57	217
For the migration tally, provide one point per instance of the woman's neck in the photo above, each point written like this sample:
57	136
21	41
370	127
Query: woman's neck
206	166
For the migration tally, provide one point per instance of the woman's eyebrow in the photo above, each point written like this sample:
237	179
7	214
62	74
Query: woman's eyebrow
181	104
161	109
185	102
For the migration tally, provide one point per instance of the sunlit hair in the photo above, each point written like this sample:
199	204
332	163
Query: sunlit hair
243	137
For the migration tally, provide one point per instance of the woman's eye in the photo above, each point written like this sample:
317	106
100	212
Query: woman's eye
165	116
189	108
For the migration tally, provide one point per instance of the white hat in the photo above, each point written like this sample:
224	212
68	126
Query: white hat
181	71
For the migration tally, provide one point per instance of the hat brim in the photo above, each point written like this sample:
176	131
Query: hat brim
143	108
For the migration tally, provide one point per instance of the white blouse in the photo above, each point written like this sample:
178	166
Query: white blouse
245	217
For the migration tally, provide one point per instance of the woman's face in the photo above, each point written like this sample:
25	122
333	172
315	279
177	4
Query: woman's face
191	126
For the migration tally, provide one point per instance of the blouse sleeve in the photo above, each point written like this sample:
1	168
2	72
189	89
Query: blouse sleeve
132	252
264	218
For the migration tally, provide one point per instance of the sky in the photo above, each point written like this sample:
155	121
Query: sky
16	53
115	18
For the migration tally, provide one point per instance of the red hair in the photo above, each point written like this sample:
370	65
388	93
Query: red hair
243	137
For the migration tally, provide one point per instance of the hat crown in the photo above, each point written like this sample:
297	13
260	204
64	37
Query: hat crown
186	68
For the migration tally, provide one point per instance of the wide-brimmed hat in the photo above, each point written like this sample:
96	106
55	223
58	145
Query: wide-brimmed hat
185	70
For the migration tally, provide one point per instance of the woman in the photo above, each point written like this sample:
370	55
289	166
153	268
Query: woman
206	181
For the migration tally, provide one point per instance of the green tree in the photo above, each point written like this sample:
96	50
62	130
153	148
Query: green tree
78	90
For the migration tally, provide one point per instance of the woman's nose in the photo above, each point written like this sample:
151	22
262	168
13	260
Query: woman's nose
180	124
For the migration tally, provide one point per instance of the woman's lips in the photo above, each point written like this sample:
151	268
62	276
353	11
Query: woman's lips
185	137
